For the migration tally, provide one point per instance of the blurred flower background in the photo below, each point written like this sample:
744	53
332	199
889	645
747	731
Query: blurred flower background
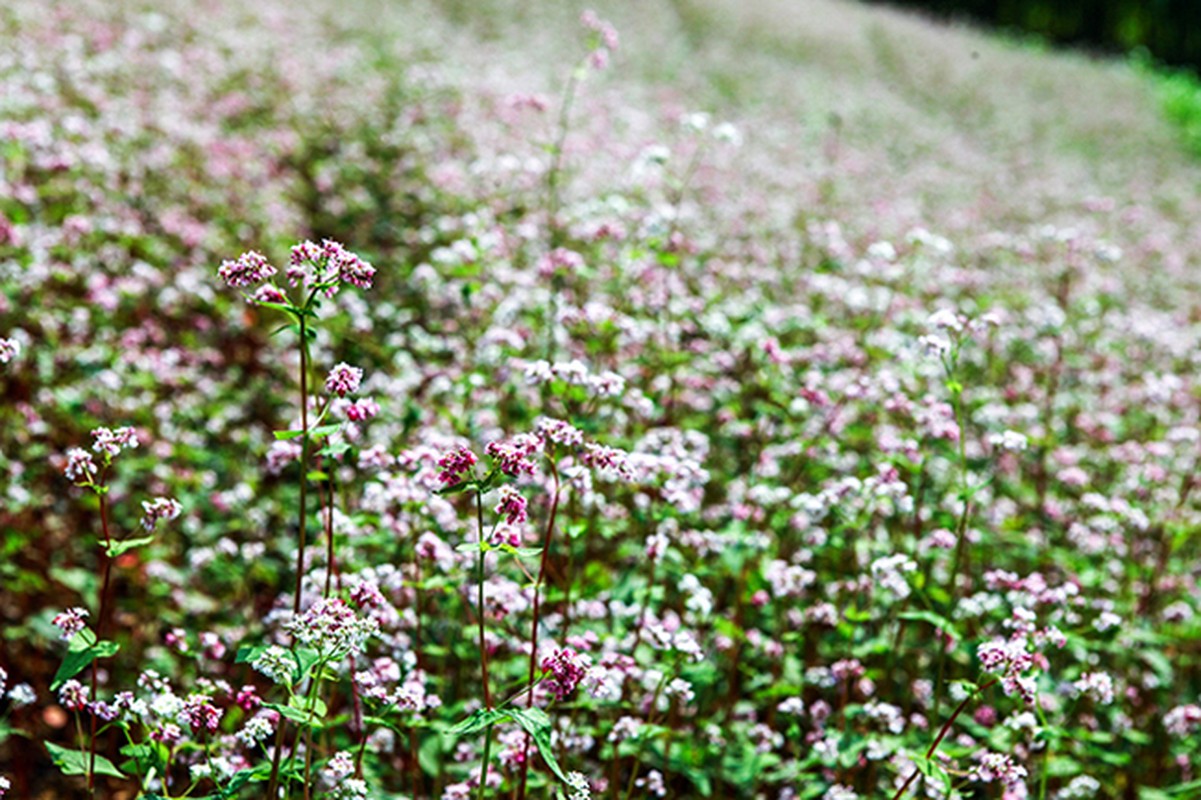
677	399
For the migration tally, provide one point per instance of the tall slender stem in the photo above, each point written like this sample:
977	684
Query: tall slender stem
550	526
479	515
304	457
479	511
101	615
329	535
273	783
946	728
960	530
484	764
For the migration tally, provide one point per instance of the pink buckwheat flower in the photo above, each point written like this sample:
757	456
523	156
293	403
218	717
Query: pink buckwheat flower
248	698
998	767
1182	721
567	668
9	349
1097	685
159	508
559	432
343	379
112	442
332	627
267	293
73	695
513	456
455	465
250	268
80	466
513	505
361	410
354	270
71	621
199	714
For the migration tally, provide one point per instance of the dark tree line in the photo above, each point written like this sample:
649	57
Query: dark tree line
1169	29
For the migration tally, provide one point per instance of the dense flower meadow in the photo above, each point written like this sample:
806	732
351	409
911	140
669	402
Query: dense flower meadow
422	402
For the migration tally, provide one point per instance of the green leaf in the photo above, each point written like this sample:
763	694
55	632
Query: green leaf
479	720
1190	789
306	658
535	722
325	430
299	715
285	307
80	654
301	704
473	547
117	548
522	552
429	755
248	653
282	436
334	449
75	762
938	621
144	758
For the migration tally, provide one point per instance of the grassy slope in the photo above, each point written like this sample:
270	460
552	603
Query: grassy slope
864	113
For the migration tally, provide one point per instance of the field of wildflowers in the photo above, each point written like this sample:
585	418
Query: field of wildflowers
690	399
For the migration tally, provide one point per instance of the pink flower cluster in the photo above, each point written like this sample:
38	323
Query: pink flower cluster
328	263
513	456
343	379
200	714
512	505
249	269
455	465
566	668
158	509
112	442
71	621
80	466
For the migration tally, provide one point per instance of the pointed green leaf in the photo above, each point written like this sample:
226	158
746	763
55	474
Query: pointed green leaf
535	722
76	762
117	548
325	430
76	659
479	720
942	623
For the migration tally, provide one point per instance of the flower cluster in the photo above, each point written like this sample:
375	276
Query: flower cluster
159	508
566	668
514	457
455	465
70	622
199	713
249	269
343	379
512	506
110	443
332	628
9	349
327	264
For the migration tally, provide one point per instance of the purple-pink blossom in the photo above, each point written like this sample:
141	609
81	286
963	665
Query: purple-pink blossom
512	506
250	268
71	621
343	379
514	456
455	465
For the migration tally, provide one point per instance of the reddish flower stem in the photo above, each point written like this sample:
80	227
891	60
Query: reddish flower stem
550	526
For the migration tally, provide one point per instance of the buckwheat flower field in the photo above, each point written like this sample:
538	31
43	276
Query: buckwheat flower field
677	399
